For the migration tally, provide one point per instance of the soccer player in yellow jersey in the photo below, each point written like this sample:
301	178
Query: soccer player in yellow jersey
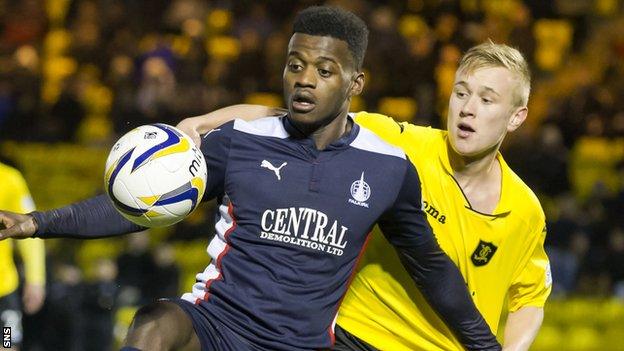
485	218
14	196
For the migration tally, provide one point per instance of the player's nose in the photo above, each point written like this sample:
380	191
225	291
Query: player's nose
469	107
306	78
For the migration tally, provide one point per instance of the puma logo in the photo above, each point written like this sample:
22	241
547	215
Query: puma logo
268	165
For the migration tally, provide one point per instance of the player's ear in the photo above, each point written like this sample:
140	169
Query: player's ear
517	118
358	84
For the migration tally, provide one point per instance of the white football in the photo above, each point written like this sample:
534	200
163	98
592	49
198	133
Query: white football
155	175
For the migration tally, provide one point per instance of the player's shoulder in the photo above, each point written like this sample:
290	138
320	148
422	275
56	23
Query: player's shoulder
390	129
270	126
10	175
14	186
526	204
426	133
369	141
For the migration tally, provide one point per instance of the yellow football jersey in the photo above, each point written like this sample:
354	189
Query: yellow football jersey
15	197
501	255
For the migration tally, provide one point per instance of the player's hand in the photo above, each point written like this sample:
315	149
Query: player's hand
33	297
193	127
15	225
196	126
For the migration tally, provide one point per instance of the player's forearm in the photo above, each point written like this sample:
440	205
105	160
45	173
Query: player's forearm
444	288
209	121
89	219
522	327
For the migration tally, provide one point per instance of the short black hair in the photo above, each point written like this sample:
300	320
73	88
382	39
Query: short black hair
336	23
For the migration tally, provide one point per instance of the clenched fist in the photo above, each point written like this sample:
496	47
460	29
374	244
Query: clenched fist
17	226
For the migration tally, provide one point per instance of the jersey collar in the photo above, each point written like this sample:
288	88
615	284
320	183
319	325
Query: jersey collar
343	142
503	208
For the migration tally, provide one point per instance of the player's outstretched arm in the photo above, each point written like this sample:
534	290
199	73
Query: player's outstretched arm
89	219
196	126
406	227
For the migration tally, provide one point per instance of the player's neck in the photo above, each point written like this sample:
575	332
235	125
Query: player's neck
332	131
472	167
480	178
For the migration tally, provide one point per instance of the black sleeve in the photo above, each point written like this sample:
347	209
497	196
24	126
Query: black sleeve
405	226
89	219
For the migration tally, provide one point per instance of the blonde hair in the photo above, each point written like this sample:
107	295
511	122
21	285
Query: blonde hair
490	54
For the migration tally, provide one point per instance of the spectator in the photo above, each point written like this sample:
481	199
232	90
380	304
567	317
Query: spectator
98	306
135	266
615	261
64	310
165	280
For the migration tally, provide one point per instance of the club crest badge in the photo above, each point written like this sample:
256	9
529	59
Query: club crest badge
483	253
360	192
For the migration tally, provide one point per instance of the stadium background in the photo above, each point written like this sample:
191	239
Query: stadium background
75	75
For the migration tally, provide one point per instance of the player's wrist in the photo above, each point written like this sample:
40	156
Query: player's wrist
193	124
34	222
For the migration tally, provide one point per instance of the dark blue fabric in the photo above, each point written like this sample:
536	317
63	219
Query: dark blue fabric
286	263
211	334
89	219
280	287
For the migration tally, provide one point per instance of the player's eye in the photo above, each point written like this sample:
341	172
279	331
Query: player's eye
294	67
486	101
324	73
460	94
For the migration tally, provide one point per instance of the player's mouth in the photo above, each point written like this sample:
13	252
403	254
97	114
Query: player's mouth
303	102
464	130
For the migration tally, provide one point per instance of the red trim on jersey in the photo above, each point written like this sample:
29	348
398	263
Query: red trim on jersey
330	330
224	252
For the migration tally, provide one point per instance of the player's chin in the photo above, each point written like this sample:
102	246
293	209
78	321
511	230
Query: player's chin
463	147
304	117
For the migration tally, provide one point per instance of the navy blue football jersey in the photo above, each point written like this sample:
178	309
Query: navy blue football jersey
292	223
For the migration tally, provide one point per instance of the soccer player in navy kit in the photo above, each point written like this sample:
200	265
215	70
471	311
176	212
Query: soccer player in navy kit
298	195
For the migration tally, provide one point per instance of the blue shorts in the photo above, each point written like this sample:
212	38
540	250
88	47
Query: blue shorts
213	336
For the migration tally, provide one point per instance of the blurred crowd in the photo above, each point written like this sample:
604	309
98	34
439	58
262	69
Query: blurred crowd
86	71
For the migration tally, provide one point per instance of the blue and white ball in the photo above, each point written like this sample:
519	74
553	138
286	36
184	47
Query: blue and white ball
155	175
